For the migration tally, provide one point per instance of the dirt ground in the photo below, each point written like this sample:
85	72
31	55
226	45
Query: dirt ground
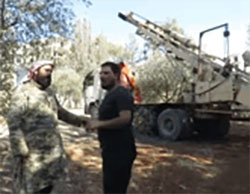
196	165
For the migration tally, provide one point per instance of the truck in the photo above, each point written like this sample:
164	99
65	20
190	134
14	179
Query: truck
218	93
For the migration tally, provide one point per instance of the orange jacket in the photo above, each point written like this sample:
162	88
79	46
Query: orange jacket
127	80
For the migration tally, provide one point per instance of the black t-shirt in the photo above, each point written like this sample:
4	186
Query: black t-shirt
118	140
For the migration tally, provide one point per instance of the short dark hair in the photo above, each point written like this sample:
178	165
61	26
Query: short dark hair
114	67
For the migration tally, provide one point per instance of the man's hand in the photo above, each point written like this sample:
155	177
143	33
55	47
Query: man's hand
93	125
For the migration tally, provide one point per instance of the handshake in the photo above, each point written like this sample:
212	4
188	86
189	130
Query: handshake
90	123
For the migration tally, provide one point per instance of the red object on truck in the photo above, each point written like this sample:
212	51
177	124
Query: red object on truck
127	80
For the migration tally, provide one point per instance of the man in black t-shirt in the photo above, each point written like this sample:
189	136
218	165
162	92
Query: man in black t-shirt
115	131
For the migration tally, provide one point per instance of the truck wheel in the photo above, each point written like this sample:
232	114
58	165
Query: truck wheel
144	121
213	128
187	125
174	124
223	127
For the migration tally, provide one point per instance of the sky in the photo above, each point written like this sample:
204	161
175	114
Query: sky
193	16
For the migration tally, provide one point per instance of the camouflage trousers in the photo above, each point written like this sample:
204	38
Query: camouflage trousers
27	182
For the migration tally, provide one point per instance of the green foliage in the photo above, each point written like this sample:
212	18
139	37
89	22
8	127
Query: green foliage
81	52
6	85
26	21
6	75
87	53
34	19
82	55
73	57
162	79
132	53
67	84
172	24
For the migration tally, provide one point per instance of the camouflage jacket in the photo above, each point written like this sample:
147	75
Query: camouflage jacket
35	141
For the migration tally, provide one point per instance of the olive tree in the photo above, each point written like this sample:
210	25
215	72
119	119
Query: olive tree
24	21
162	77
68	87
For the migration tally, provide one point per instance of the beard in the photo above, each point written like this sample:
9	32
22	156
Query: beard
44	82
107	86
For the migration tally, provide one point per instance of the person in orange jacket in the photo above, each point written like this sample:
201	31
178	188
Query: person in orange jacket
127	80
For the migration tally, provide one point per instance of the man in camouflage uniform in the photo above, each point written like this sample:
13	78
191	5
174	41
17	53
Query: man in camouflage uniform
36	144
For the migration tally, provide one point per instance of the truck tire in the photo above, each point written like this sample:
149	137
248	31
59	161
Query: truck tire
174	124
213	128
223	127
187	124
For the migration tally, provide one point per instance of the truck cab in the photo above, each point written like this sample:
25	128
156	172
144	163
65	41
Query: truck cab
93	94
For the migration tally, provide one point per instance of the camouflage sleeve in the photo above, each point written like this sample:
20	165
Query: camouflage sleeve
69	117
15	122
